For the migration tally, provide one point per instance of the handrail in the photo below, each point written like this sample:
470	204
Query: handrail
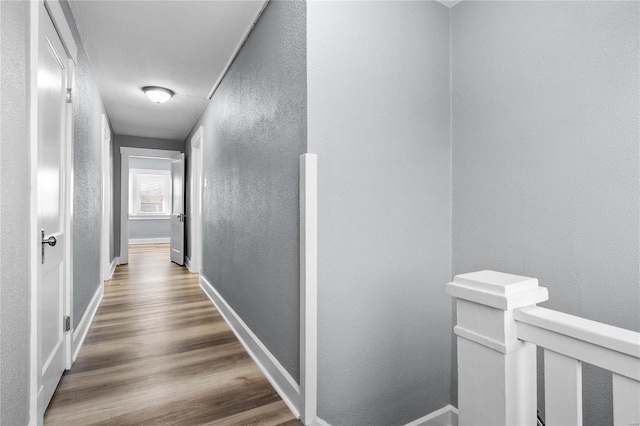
614	338
606	346
498	330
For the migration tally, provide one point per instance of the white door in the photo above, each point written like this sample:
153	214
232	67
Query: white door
177	209
52	85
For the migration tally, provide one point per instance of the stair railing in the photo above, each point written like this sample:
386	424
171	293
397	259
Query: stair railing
498	329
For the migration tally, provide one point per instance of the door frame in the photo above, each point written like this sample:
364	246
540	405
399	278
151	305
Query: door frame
127	152
54	10
106	266
194	262
177	218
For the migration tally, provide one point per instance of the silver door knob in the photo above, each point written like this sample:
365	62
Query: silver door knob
51	241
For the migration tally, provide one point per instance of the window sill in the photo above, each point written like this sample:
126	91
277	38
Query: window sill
150	217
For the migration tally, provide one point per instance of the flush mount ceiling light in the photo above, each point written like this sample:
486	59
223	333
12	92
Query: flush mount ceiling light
157	94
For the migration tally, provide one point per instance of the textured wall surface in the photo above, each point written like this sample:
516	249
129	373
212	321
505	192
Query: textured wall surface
132	142
255	131
150	228
15	320
378	108
546	156
87	174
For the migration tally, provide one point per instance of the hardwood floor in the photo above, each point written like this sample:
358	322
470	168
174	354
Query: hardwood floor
159	353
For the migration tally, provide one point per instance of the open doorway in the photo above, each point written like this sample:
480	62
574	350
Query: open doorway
149	200
146	194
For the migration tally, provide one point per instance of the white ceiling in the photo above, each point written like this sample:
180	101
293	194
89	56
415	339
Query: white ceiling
182	45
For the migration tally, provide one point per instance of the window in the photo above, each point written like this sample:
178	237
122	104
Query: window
149	192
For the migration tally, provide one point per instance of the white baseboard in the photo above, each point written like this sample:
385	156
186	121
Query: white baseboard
118	262
112	268
446	416
453	416
149	240
80	333
279	378
187	263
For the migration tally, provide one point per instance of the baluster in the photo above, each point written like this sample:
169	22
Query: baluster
562	389
626	401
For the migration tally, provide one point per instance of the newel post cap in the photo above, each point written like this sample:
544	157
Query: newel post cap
497	289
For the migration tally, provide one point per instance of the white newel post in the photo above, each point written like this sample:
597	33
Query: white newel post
496	371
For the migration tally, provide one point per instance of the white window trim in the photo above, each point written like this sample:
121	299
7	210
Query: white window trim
154	217
136	195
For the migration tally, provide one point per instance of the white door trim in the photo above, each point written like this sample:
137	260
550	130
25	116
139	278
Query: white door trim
60	22
127	152
68	219
66	37
33	204
105	261
195	221
308	288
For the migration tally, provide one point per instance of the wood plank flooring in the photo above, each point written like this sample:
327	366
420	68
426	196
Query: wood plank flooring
159	353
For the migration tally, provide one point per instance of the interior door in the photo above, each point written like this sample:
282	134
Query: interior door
177	209
52	86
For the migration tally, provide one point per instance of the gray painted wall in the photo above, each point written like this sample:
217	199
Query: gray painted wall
87	184
546	156
15	320
255	131
378	108
149	228
133	142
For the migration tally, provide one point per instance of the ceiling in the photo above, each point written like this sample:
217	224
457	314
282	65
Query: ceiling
184	46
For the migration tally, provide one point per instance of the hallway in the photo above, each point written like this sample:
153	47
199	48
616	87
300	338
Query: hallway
338	164
158	352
